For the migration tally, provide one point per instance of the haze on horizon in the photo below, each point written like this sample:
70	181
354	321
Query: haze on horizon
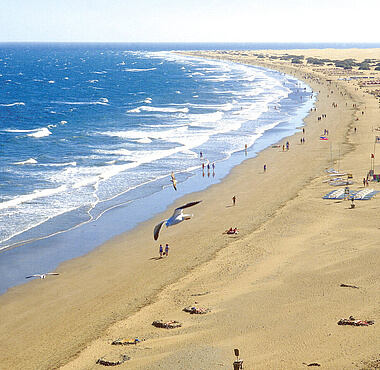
189	21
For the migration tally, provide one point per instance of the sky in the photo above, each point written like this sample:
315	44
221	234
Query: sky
189	21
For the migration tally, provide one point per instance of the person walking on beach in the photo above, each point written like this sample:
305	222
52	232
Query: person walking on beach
233	200
167	250
161	250
265	168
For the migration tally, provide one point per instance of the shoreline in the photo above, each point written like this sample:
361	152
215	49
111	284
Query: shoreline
50	251
254	282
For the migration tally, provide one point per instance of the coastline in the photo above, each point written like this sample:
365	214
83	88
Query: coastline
255	283
57	240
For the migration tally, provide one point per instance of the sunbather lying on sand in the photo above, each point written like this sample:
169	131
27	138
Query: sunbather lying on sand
232	231
352	321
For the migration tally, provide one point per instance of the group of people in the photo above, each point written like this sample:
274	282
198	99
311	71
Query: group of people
208	167
161	250
287	145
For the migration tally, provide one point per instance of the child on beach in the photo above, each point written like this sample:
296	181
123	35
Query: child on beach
161	249
167	250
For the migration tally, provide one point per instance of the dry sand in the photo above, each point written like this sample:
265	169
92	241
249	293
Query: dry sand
273	290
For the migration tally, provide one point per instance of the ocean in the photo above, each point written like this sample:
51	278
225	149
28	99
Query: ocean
89	135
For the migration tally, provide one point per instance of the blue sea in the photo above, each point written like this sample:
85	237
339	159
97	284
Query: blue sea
90	133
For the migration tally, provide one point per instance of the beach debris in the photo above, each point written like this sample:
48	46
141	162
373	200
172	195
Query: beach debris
41	276
312	364
352	321
349	286
175	219
196	310
103	361
171	324
199	294
125	342
174	181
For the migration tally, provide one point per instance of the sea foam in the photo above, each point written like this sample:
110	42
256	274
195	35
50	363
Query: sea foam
40	133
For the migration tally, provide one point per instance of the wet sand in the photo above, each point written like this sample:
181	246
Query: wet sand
273	289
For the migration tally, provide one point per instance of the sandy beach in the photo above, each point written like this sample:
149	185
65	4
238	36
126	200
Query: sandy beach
274	289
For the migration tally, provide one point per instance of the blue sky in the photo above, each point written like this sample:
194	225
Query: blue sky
189	20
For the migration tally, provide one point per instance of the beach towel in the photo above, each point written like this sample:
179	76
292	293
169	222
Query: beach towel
196	310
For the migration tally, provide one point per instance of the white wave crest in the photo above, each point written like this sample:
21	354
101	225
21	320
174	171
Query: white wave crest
12	104
40	133
28	161
144	140
73	164
139	69
158	110
102	101
33	196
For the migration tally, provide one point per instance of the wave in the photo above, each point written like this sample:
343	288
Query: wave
139	69
12	104
37	133
144	108
145	140
40	133
217	107
57	164
28	161
18	131
102	101
205	119
33	196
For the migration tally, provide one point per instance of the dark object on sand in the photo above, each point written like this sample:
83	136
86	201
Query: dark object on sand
166	324
232	231
312	364
349	286
125	342
105	362
352	321
199	294
238	364
196	310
